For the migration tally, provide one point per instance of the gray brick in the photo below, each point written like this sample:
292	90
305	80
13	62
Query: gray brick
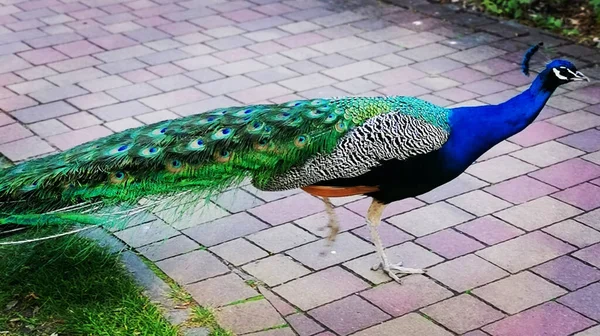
227	85
124	53
133	92
204	106
230	42
104	83
163	57
354	70
57	93
273	74
307	82
119	111
52	40
118	67
10	63
338	45
43	112
76	76
172	82
371	51
174	98
199	62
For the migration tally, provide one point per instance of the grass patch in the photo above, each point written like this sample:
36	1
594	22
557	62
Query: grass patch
576	19
178	294
281	326
254	298
72	287
205	317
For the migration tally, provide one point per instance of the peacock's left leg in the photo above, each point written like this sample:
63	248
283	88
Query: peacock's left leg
332	224
373	220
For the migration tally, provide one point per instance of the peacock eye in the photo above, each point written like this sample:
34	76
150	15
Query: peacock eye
225	131
176	163
200	142
285	114
153	150
224	153
262	141
122	148
248	111
119	175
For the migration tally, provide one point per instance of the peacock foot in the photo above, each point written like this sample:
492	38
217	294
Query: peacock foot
393	269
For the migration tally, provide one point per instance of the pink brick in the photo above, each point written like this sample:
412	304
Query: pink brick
113	41
9	78
48	128
152	21
13	132
16	103
568	173
5	119
164	70
139	76
80	120
25	148
74	64
174	98
551	319
123	124
537	133
521	189
243	15
288	209
92	100
179	28
78	48
68	140
489	230
300	40
584	196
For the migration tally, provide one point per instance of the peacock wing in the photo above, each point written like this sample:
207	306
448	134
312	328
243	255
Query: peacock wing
398	136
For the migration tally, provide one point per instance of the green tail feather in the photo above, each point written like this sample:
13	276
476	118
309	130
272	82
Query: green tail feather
200	154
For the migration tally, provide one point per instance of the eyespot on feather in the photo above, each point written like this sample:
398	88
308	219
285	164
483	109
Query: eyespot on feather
196	144
174	166
158	132
341	126
149	152
255	127
330	118
301	141
261	145
223	133
223	156
117	177
118	150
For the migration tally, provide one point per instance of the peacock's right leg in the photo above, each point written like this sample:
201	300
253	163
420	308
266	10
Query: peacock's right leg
373	220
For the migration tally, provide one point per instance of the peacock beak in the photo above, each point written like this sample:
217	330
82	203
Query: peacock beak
580	77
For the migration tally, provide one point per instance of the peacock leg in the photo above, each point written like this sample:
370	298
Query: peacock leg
373	220
332	224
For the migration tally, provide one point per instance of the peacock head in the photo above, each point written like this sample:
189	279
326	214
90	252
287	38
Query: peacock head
557	72
562	72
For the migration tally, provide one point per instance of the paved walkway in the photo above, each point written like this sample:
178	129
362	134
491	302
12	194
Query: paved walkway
512	246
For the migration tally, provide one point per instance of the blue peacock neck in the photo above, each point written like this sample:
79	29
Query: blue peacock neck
475	130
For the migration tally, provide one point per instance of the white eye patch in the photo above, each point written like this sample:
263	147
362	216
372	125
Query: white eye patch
558	74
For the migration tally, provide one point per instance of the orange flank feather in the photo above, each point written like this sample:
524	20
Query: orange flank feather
326	191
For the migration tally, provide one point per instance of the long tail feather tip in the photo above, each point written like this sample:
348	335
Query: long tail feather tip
528	55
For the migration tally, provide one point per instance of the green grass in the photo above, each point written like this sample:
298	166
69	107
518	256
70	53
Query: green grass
72	287
205	317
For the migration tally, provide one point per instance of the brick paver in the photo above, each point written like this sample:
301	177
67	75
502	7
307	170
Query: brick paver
519	232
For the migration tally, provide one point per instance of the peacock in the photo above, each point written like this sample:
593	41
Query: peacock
387	148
